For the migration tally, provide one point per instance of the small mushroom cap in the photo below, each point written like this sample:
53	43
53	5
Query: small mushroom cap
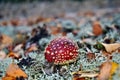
61	51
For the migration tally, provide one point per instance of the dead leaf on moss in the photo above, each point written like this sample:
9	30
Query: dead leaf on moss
90	56
107	69
2	55
78	78
81	75
5	41
111	47
107	47
13	71
8	78
97	29
14	55
114	68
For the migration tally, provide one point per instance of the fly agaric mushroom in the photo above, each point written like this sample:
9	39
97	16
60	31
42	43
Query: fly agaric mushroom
61	51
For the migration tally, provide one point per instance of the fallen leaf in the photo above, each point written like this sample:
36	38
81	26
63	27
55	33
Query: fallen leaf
81	75
5	41
8	78
14	55
111	47
32	48
13	71
107	70
14	22
114	68
4	23
90	56
78	78
107	47
97	29
89	13
2	55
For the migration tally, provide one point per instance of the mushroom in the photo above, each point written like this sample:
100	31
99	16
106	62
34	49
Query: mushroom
61	51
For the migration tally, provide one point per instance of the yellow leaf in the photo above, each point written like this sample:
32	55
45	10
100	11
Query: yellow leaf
113	69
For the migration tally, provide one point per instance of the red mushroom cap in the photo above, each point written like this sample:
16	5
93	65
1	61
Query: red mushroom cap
61	51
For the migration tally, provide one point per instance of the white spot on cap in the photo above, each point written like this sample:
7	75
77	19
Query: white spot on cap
64	47
52	53
62	57
71	53
54	48
59	47
55	51
53	57
57	44
60	51
48	52
61	42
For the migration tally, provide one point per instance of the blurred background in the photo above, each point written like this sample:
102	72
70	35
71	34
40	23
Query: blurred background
25	8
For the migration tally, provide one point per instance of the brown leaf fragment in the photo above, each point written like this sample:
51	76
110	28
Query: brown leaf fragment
13	72
97	29
90	56
81	75
111	47
105	69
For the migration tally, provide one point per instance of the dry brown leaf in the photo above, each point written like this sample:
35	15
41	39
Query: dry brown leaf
4	23
32	48
14	55
81	75
2	55
89	13
14	71
8	78
90	56
55	29
105	71
97	29
111	47
77	78
6	41
14	22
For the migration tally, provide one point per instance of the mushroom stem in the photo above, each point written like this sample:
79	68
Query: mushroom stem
13	60
43	71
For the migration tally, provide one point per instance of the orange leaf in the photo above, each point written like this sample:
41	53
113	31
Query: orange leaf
97	29
107	70
5	41
14	71
14	55
8	78
113	69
